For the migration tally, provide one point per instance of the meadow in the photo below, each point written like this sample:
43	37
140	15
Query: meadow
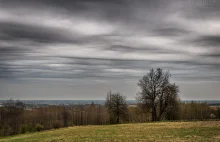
152	131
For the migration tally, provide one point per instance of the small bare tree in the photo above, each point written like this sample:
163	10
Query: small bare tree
117	107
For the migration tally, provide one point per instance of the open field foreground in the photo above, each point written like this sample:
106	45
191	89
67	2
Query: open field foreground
161	131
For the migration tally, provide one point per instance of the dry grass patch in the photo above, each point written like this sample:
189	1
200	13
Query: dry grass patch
141	132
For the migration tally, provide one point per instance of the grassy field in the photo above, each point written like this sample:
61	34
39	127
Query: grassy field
161	131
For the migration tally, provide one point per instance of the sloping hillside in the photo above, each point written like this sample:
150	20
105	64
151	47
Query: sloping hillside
162	131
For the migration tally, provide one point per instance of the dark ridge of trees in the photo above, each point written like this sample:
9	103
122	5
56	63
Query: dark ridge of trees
16	120
65	114
157	94
11	113
117	107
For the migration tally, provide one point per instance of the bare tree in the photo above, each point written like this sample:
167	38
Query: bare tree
117	107
157	94
65	116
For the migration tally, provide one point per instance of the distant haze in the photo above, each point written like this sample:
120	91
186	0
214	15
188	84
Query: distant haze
80	49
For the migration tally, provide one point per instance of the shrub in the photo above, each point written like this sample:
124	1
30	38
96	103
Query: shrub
30	128
39	127
6	130
57	124
1	134
23	129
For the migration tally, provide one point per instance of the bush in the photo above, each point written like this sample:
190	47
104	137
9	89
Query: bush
39	127
6	130
57	124
25	128
1	133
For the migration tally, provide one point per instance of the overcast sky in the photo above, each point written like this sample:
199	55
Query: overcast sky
80	49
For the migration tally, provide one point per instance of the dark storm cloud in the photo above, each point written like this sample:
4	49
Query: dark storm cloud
170	31
106	39
217	55
133	49
16	31
209	40
99	8
11	50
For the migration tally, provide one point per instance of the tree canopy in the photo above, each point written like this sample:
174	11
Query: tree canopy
117	107
157	94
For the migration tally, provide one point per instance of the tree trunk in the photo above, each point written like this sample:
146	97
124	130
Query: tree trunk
117	121
154	114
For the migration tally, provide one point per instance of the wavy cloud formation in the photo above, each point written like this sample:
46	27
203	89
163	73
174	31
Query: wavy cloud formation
109	39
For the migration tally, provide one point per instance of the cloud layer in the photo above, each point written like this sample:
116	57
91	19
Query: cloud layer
109	39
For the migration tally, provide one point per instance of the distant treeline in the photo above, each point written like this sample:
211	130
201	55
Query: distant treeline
16	119
157	100
44	103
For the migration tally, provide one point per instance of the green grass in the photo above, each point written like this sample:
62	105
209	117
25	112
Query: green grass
161	131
